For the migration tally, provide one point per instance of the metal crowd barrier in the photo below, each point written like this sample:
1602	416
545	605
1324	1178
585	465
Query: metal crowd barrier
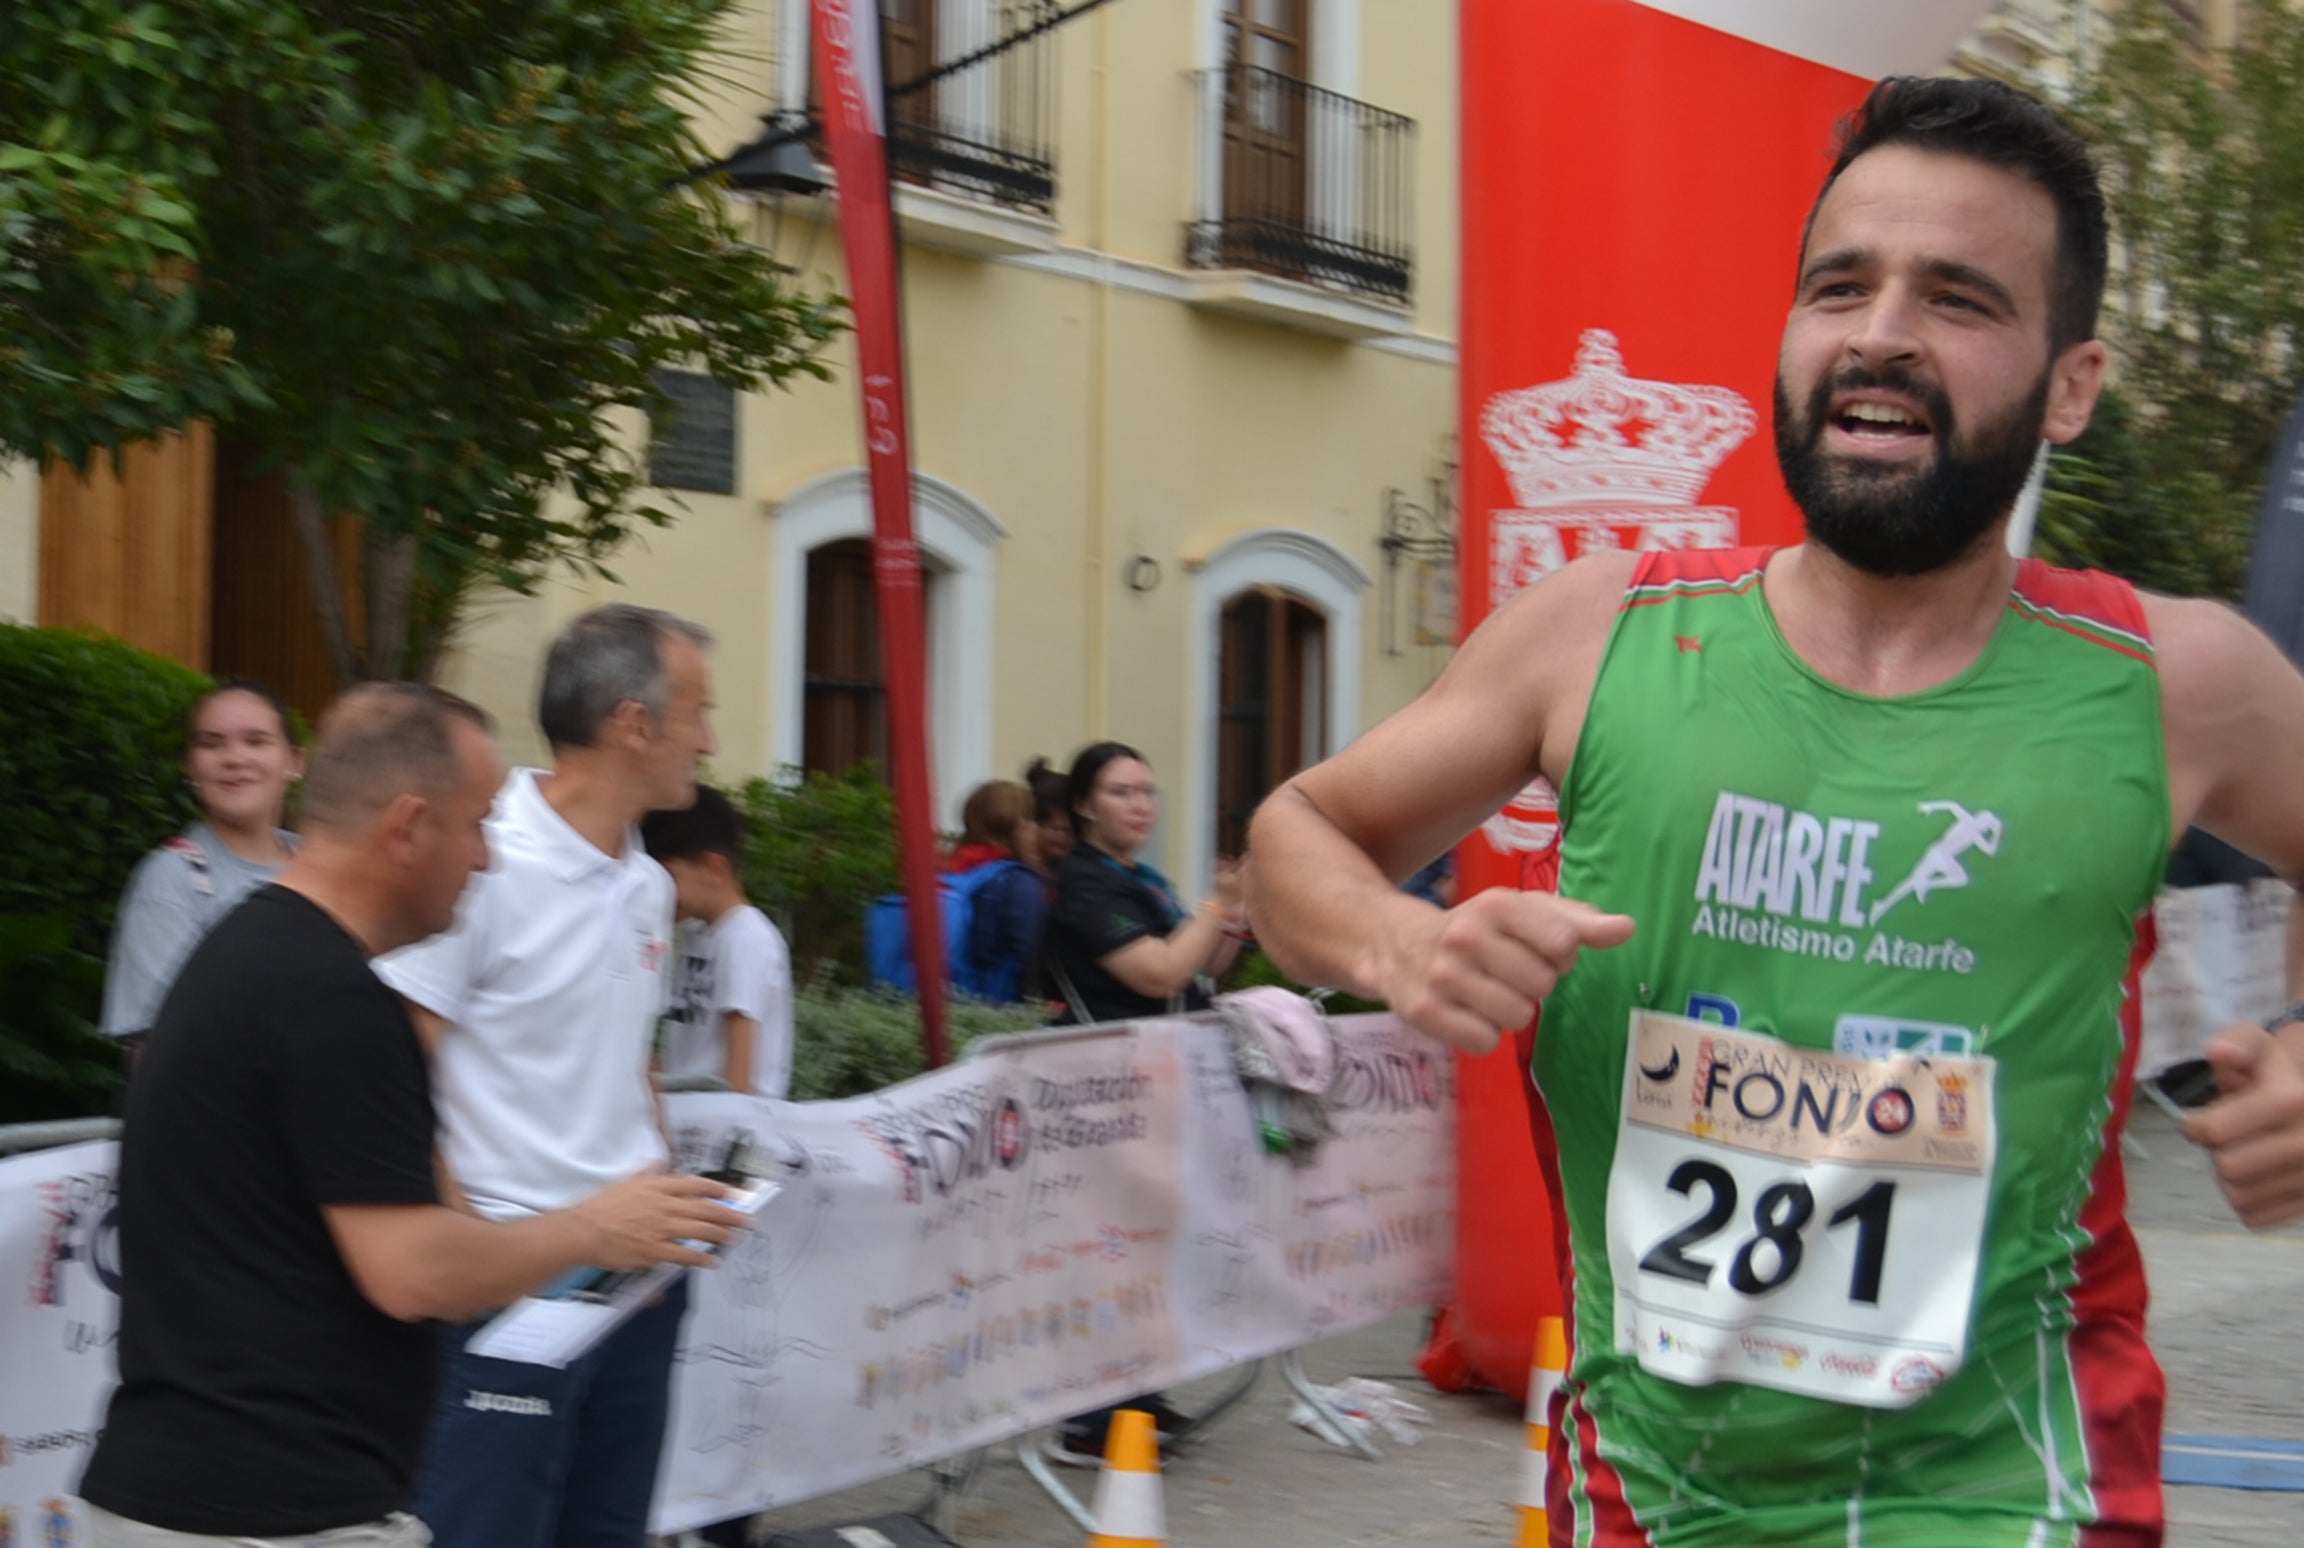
1035	1450
21	1138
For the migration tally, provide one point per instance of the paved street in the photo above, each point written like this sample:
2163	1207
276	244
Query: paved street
2225	1310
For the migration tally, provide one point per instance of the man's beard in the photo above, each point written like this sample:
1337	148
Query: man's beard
1888	519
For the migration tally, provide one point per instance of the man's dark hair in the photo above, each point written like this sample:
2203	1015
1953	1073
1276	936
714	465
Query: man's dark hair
712	826
380	741
603	658
2001	127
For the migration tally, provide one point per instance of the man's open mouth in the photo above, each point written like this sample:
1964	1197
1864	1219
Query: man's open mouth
1885	423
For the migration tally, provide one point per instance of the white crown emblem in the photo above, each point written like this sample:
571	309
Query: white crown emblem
1603	437
1602	461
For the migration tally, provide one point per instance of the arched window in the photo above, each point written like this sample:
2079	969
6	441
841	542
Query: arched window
844	691
1272	709
1275	664
958	539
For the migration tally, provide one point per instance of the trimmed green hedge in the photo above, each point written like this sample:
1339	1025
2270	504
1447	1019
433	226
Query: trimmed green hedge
91	756
847	1041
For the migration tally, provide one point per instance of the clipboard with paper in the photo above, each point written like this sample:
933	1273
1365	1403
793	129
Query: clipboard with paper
564	1320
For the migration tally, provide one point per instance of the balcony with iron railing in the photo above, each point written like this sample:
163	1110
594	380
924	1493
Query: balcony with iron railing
986	130
1305	184
978	127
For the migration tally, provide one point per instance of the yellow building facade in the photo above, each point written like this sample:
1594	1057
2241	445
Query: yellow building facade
1179	284
1150	479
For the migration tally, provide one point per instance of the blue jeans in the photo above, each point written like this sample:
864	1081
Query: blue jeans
525	1456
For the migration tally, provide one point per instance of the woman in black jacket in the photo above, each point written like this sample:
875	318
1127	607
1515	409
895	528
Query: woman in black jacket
1120	942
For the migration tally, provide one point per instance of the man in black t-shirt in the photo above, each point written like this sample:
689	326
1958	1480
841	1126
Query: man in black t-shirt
281	1232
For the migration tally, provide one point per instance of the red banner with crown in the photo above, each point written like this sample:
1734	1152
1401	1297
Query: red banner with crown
1636	177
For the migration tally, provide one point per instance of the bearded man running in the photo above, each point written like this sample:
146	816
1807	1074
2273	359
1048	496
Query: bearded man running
1912	793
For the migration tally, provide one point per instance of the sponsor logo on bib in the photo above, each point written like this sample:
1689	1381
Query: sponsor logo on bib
1884	1037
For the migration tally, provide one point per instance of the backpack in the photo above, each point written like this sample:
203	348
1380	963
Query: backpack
969	961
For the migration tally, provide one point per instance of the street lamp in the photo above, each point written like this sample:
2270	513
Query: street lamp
778	169
777	163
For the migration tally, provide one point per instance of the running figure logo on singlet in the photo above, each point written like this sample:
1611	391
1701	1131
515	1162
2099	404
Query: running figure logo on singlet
1940	866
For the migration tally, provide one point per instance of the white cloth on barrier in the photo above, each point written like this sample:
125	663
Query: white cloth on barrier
1019	1237
59	1264
2222	958
957	1259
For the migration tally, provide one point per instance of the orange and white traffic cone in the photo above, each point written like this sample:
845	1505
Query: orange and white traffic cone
1128	1511
1535	1468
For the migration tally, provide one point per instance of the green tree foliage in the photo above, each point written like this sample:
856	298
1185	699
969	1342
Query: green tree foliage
92	755
2110	504
428	254
2203	159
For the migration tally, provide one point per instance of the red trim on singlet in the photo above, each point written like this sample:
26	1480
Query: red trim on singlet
1663	566
2089	595
2099	598
2122	1391
1613	1524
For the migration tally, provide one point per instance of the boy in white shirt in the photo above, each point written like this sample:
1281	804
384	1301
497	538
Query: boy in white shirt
731	1012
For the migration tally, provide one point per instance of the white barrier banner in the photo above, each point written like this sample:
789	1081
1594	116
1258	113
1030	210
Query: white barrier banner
59	1272
954	1260
2221	958
1020	1237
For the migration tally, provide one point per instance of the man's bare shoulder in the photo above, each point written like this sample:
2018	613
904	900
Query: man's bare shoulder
2232	708
1579	599
2199	645
1536	658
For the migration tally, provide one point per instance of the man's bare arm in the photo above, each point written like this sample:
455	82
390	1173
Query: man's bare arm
1331	846
430	1029
425	1260
2233	707
743	1035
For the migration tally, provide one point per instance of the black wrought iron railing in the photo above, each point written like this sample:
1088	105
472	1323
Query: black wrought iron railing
1304	183
987	130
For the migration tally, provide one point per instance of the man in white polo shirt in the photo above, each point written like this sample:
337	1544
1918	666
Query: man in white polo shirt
540	1007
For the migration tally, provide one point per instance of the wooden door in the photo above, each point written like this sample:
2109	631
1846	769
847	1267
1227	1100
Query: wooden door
908	28
844	693
1268	51
125	550
267	625
1271	717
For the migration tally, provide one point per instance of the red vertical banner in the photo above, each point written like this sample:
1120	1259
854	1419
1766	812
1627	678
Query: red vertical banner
848	64
1636	177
